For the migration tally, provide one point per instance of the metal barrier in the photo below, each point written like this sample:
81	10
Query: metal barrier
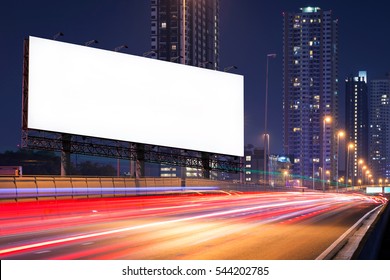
56	187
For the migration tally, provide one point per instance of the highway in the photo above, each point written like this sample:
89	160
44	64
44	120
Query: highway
268	225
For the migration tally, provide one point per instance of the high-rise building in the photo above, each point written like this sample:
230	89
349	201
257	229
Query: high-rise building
310	92
356	126
186	32
379	129
198	20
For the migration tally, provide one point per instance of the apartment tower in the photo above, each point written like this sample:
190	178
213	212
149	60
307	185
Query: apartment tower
186	32
356	127
379	129
310	93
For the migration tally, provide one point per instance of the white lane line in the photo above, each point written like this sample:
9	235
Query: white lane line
42	252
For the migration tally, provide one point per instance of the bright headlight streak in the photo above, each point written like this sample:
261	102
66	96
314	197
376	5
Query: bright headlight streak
104	233
92	92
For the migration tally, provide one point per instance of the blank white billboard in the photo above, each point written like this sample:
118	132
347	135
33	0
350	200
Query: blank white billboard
92	92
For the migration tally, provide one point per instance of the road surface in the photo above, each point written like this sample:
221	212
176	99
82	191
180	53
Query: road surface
288	226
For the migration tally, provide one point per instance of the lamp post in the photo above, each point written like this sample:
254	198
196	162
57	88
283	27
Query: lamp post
339	134
327	119
313	173
360	163
350	146
183	35
285	173
266	136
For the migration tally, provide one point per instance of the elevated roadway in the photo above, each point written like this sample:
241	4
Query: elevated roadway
257	225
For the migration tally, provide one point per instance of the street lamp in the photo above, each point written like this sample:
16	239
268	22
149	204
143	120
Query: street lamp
360	163
266	135
285	173
350	146
327	119
339	134
328	177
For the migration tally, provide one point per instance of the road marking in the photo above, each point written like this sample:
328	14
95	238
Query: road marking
42	252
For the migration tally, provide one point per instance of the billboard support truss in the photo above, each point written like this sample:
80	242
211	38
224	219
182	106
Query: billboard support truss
90	146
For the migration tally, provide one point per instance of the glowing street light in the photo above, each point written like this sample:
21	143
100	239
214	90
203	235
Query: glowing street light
285	174
350	146
327	119
360	167
340	134
266	135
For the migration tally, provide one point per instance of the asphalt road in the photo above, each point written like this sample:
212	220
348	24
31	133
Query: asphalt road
288	226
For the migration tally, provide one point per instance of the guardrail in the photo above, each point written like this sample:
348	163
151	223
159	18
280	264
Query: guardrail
347	245
53	187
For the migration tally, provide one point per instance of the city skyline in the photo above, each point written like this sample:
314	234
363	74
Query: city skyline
249	30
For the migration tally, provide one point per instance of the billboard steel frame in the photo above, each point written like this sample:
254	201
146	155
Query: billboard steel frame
90	146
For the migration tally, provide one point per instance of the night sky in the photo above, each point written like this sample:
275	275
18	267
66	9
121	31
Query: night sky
249	30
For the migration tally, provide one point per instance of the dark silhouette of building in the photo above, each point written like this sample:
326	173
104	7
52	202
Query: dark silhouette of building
356	126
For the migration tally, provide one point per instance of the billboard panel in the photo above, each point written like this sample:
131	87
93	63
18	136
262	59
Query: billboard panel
86	91
371	190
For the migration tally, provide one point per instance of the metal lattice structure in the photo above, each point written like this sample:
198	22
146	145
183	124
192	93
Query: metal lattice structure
50	141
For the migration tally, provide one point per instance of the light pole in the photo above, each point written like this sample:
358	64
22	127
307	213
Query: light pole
313	172
285	173
350	146
360	162
339	134
266	136
183	36
327	119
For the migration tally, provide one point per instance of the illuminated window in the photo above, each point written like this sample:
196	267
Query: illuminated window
163	25
248	158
